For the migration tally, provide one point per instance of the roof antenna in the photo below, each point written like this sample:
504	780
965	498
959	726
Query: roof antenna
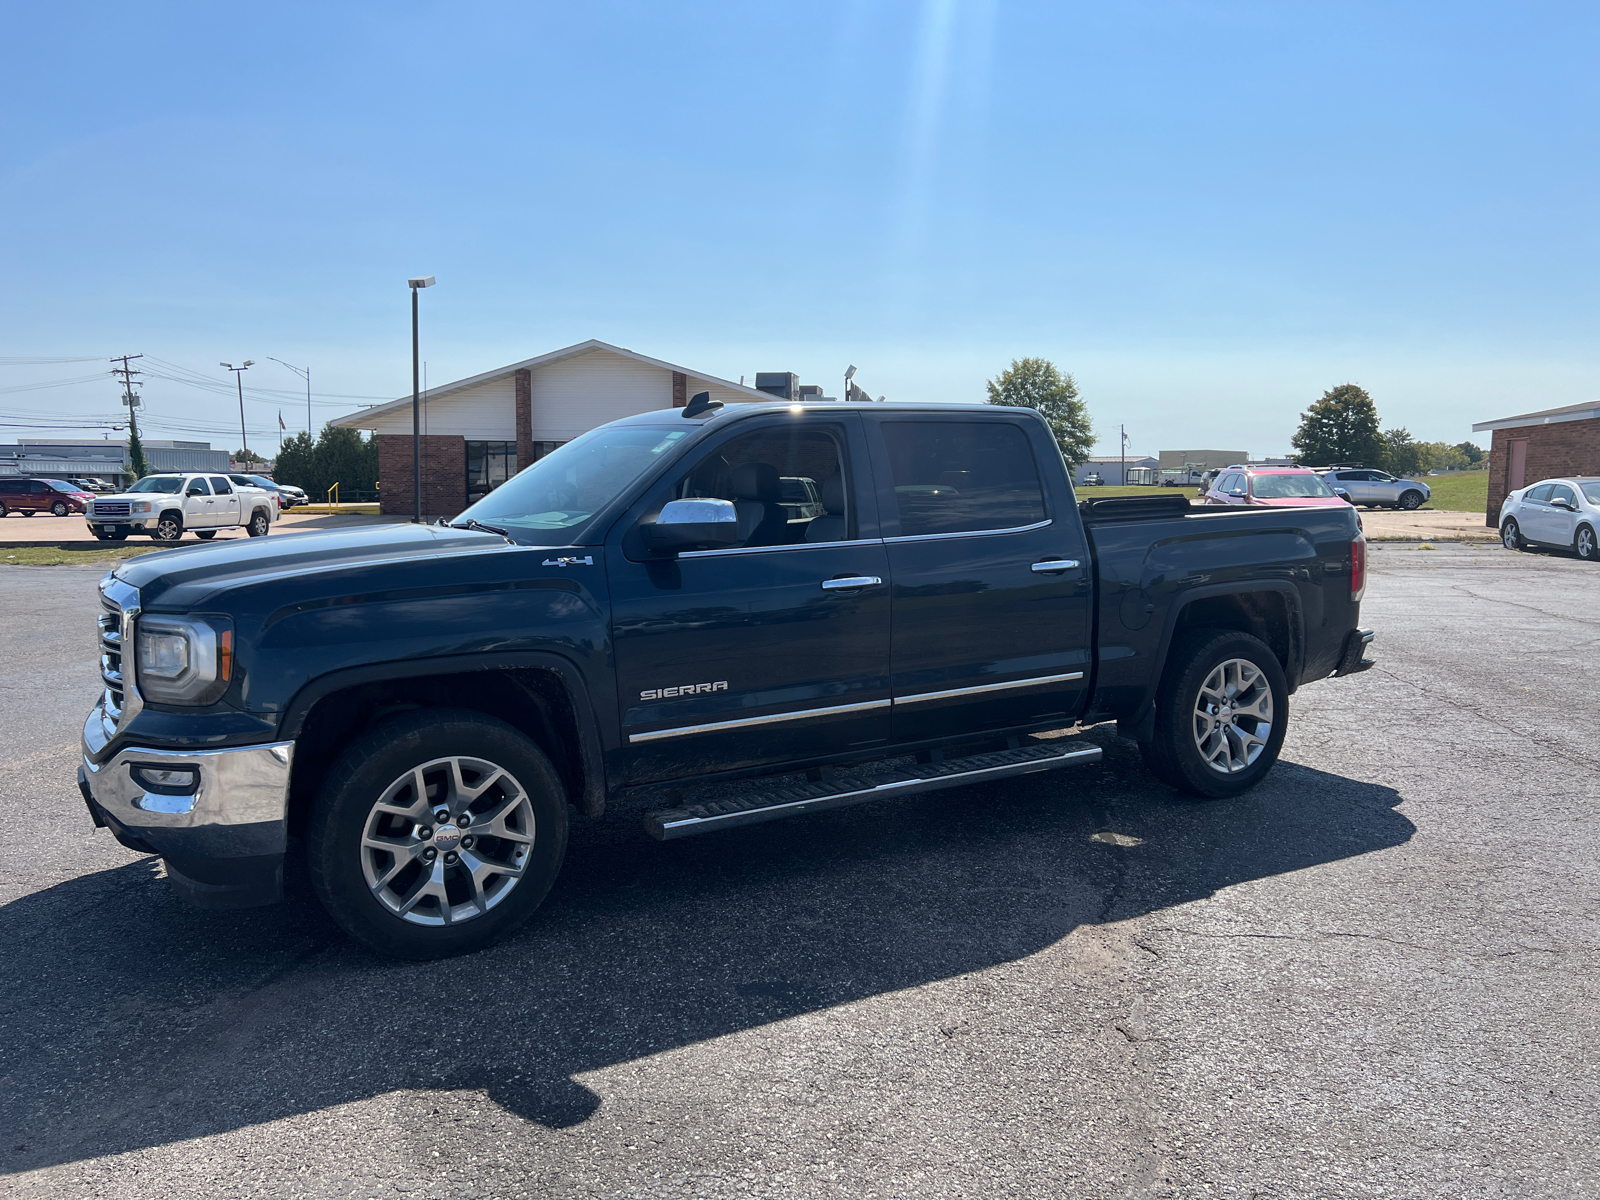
701	404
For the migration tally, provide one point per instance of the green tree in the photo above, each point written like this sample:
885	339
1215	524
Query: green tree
1402	454
1474	453
136	455
297	464
1036	383
348	459
1342	427
247	456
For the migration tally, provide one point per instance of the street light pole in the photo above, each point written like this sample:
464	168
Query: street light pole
416	285
304	373
238	375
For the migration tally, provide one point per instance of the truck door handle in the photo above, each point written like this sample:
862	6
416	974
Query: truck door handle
1051	566
850	582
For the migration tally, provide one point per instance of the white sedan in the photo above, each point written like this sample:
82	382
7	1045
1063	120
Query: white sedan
1563	514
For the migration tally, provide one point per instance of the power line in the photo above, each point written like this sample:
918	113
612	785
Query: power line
47	362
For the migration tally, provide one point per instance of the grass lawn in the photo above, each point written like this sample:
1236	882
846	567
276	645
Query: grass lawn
62	556
1463	491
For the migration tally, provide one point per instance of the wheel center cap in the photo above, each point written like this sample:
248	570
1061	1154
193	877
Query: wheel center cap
448	838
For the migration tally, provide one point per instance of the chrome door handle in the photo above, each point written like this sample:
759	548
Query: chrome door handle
1052	565
850	582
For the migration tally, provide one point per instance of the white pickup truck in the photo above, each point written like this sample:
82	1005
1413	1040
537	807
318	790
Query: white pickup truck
164	506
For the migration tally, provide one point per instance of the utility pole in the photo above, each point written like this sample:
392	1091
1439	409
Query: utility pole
128	380
238	375
1124	430
416	284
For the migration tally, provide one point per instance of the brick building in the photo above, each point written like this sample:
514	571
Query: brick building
1539	445
477	432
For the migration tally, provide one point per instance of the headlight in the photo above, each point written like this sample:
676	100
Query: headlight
183	660
140	506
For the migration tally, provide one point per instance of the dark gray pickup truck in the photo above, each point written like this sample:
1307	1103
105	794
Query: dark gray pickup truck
419	709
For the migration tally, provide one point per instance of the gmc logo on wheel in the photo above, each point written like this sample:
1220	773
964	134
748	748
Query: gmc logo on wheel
688	689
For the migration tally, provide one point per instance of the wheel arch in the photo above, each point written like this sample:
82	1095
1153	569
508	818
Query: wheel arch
1269	610
540	695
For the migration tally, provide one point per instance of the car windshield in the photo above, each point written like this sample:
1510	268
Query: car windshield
61	485
1591	492
170	484
1290	487
573	482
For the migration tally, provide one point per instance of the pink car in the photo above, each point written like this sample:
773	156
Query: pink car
1279	487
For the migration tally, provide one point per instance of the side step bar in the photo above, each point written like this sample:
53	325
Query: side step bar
841	792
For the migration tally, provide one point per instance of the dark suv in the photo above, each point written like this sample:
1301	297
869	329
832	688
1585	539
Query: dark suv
28	496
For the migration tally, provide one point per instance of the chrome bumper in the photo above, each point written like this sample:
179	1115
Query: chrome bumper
224	842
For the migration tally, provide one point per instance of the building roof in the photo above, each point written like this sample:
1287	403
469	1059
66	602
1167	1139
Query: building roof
353	419
1587	411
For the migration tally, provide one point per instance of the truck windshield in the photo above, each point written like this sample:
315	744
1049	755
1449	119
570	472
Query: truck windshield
573	482
1290	487
169	484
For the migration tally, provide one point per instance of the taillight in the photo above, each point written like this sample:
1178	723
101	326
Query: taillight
1358	567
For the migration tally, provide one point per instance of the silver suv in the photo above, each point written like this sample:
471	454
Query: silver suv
1378	488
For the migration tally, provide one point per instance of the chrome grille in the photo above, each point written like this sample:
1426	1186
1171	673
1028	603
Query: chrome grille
111	508
111	659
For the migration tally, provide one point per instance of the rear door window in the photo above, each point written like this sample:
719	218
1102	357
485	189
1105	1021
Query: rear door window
222	486
962	476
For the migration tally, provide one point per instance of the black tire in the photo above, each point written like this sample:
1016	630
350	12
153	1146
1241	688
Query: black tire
1511	535
1174	754
4	511
1585	545
259	524
379	761
28	512
58	509
1410	500
205	535
169	528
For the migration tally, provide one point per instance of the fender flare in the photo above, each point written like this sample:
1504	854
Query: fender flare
1140	724
595	790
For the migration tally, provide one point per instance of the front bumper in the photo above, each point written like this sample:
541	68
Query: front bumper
115	524
223	843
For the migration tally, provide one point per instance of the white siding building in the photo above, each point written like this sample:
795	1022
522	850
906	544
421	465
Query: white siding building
478	432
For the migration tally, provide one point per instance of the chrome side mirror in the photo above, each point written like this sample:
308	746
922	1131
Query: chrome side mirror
693	525
1343	495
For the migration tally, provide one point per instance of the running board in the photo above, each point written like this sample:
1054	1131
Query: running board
842	792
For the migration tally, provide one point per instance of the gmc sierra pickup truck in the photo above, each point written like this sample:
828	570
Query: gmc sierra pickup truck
419	709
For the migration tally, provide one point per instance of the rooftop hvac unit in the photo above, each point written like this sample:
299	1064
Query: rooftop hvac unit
782	384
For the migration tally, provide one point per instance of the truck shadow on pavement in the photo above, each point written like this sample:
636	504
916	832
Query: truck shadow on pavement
134	1021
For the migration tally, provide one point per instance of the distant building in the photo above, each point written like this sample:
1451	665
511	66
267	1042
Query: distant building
1110	468
1187	466
478	432
1537	445
103	459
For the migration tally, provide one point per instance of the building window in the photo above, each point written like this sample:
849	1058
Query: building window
489	464
540	449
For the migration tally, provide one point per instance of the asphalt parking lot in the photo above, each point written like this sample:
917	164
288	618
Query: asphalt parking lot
1375	975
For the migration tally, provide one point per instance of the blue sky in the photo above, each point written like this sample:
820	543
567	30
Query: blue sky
1208	212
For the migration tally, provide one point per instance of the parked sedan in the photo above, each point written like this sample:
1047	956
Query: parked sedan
288	495
1282	487
1563	514
1379	488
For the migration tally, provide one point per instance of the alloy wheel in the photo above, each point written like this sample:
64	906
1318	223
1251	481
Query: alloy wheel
1233	715
1586	544
168	530
447	841
1510	537
1411	500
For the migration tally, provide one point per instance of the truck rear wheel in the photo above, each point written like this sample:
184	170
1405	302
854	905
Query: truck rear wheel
437	833
1221	714
259	524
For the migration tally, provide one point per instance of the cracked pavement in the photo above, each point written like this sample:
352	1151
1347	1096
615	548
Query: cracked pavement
1374	975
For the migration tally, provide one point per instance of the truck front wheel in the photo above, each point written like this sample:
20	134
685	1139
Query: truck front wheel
1221	714
437	833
